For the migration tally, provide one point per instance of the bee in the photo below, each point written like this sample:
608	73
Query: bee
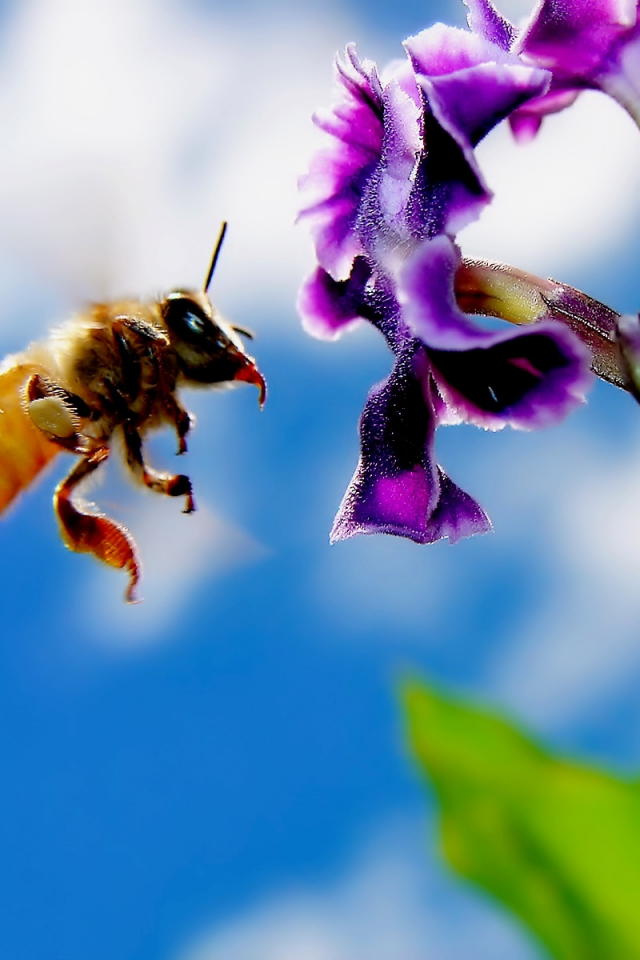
112	371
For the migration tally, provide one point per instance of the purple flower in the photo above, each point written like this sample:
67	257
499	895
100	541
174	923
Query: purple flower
447	369
586	44
383	201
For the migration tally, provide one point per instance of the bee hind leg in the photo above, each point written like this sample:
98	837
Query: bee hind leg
94	533
56	412
173	486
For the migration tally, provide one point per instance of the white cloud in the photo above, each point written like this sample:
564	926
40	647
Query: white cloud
391	904
370	582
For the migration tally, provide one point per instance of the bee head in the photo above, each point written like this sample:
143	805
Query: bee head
208	349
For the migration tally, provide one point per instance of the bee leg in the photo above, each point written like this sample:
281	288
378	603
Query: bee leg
180	419
94	533
56	412
172	486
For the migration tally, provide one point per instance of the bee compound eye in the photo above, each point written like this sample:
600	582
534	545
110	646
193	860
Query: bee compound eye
194	323
185	318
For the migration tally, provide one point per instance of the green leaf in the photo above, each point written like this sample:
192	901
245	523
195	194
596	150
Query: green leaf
558	842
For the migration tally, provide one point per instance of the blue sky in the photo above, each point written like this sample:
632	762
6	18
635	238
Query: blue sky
219	773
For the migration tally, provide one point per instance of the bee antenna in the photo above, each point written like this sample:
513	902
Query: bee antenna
215	255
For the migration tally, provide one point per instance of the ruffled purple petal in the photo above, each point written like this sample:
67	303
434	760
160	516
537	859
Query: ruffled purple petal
484	19
469	85
620	73
426	295
525	125
333	187
400	71
587	44
398	488
456	515
382	222
442	50
328	307
526	378
526	121
574	37
448	192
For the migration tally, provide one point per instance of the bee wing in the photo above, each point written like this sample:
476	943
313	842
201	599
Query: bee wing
24	450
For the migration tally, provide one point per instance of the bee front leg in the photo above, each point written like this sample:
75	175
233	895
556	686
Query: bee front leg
172	486
181	420
94	533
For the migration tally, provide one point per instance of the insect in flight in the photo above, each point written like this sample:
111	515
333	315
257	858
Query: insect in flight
114	369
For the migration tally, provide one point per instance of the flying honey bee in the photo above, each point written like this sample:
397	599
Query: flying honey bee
113	369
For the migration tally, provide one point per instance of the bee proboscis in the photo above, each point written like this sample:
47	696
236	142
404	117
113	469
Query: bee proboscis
115	368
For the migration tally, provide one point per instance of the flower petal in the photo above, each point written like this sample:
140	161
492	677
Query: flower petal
526	121
483	18
587	44
333	187
398	488
328	307
526	378
469	85
574	37
426	295
382	223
